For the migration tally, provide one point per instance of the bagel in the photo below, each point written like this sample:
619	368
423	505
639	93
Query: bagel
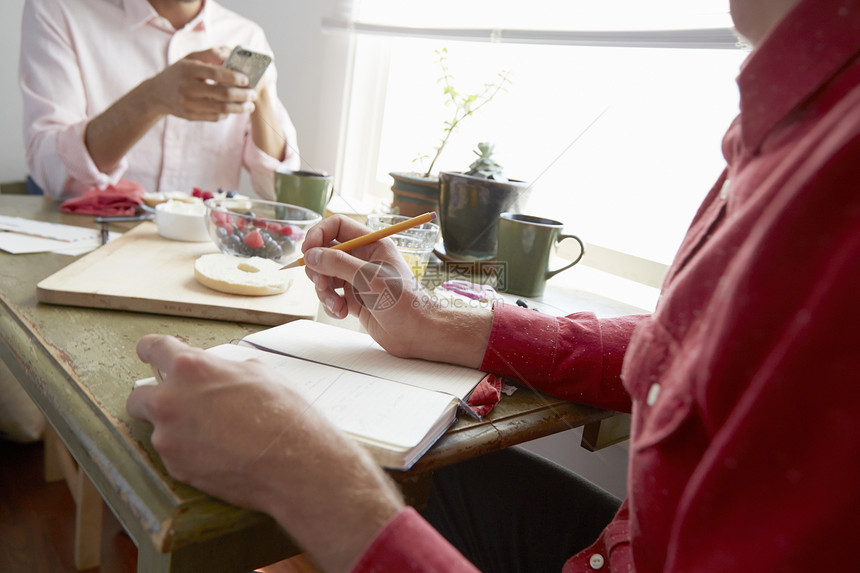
254	276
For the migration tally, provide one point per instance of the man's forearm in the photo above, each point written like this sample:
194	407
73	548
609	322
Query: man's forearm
111	134
457	335
265	128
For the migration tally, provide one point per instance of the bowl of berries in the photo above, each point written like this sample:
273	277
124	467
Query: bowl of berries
255	228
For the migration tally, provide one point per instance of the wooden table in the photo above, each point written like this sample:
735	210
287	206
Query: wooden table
78	365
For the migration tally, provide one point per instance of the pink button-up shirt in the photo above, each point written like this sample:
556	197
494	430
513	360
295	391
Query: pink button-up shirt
744	384
79	56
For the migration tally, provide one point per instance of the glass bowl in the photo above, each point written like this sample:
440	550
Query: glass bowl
256	228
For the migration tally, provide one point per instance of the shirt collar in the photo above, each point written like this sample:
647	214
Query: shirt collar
140	12
810	46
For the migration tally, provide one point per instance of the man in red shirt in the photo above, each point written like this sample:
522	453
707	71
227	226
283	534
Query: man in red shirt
743	384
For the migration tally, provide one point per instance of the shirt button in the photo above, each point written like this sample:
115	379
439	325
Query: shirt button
653	394
596	561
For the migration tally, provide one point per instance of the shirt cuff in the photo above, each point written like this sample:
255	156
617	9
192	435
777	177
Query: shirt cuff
576	357
262	167
522	343
407	543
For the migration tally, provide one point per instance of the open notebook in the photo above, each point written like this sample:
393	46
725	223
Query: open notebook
395	407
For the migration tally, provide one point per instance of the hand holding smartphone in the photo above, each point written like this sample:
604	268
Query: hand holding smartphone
252	64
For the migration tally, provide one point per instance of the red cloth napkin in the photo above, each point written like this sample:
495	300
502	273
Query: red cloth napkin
486	395
121	199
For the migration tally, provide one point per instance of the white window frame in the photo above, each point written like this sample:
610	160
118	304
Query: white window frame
365	104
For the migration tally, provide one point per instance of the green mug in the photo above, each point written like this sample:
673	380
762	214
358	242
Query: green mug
525	243
304	188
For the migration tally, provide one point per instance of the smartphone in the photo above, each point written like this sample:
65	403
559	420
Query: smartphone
252	64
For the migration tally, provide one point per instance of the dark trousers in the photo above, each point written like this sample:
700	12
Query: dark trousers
513	511
33	188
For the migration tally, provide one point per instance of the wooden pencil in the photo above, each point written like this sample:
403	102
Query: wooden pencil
374	236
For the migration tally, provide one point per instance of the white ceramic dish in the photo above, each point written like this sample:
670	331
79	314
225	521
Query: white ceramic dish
182	221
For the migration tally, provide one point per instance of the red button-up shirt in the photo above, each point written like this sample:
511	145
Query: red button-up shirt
744	384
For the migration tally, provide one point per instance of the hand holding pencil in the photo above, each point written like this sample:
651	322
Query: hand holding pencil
373	236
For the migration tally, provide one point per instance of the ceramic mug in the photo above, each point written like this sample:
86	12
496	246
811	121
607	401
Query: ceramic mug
525	243
304	188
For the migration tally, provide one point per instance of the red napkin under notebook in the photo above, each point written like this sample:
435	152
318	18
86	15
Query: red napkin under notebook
486	395
121	199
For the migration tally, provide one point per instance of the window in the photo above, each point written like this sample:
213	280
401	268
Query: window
615	112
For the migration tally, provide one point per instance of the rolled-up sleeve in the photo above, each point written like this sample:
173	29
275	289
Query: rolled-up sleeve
54	131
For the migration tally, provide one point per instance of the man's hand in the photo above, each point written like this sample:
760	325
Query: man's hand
379	288
199	88
238	432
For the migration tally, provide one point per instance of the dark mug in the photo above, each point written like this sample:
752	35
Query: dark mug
525	243
304	188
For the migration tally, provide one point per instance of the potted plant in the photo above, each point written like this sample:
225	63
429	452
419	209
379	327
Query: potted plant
418	192
470	205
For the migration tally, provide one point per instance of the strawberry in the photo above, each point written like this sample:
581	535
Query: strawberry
202	194
254	239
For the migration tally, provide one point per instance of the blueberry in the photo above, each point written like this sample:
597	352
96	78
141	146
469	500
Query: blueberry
233	243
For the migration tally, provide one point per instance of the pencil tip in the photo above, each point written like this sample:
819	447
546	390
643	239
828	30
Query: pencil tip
292	265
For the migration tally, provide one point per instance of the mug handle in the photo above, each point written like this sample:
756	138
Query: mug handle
550	274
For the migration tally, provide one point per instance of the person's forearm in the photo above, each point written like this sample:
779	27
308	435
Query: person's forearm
266	129
333	510
457	335
111	134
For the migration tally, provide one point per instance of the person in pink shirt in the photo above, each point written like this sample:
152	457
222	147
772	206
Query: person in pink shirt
136	89
742	385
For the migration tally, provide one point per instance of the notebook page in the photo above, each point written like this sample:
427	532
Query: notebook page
358	351
375	410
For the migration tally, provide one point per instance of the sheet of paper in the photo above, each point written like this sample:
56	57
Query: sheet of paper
358	351
18	244
56	231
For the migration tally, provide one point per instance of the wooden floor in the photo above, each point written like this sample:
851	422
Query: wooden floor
37	522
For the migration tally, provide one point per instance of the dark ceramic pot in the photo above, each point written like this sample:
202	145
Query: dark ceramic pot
469	209
414	194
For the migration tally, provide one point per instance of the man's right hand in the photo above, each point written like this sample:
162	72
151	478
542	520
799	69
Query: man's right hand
375	284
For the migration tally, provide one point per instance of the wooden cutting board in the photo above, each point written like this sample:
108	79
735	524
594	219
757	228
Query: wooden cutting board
144	272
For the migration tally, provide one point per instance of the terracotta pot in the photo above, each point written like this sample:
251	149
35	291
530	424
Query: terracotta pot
414	194
470	209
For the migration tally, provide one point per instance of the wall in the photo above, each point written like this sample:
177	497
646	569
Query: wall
310	67
12	163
